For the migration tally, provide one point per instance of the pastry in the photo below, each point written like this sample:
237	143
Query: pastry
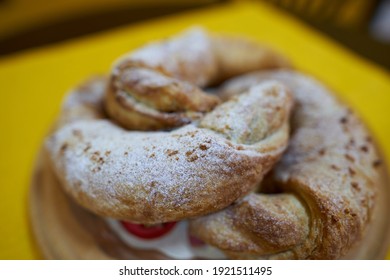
139	176
269	165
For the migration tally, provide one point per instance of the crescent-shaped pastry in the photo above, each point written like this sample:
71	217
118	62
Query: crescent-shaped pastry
154	177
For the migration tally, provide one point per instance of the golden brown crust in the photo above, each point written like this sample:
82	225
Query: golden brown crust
330	171
255	226
158	86
147	100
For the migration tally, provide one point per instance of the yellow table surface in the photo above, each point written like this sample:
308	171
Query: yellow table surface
32	85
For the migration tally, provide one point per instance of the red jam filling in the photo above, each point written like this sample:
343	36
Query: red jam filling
147	231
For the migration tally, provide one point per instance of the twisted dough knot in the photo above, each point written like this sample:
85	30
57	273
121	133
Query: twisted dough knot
322	188
159	86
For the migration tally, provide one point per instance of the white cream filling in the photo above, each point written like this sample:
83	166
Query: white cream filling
175	244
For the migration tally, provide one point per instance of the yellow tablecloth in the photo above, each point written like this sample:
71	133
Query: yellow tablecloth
33	83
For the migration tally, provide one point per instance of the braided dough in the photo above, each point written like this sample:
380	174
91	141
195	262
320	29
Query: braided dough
209	163
322	191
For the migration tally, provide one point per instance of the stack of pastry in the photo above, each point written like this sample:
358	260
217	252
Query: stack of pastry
207	146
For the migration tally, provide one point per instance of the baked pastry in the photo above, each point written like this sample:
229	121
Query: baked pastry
206	164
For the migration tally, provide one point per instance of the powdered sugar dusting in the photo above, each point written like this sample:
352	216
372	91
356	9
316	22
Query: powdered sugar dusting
262	111
166	171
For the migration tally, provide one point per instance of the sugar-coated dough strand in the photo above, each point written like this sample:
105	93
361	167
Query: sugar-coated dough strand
154	177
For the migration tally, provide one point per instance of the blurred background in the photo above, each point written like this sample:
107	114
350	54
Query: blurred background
361	25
